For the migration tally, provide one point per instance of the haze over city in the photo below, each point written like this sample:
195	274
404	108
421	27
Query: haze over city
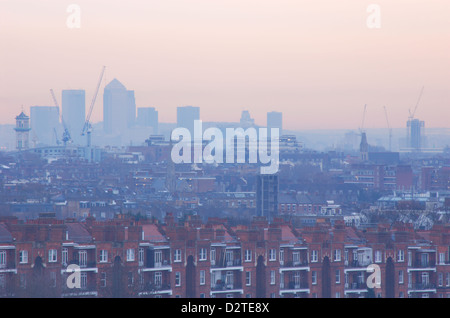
317	62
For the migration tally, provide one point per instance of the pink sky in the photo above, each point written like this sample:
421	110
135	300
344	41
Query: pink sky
316	61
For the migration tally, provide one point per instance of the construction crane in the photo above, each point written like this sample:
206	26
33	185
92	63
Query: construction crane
363	119
56	137
389	128
87	128
411	114
66	134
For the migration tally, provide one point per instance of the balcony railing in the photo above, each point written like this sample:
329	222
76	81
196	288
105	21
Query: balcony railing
301	263
422	286
223	286
355	286
227	263
294	285
424	264
156	287
90	264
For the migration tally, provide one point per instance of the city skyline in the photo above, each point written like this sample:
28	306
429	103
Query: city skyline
318	64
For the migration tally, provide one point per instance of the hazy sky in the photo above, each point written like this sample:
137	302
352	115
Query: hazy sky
315	60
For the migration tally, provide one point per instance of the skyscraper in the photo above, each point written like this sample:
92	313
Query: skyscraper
45	124
415	134
275	120
186	116
74	112
267	195
148	117
22	131
119	108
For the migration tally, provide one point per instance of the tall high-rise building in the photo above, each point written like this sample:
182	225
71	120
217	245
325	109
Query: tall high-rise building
22	131
45	124
275	120
119	108
186	116
415	134
148	117
74	112
267	196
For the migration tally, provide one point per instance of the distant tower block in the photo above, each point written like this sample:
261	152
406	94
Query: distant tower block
22	131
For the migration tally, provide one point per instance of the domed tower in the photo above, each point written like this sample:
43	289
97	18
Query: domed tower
22	131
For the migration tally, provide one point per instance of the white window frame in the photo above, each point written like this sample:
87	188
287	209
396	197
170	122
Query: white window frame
272	277
202	277
130	255
52	255
400	256
177	278
103	256
313	277
177	255
378	257
23	257
337	255
203	254
314	256
272	254
141	256
248	256
248	278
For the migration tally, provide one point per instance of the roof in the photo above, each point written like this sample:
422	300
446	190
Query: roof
22	116
115	84
78	233
5	235
152	233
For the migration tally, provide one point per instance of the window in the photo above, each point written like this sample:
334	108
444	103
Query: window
141	256
442	258
23	257
177	279
338	295
83	280
441	279
103	280
248	255
82	258
53	279
409	258
314	256
229	278
65	256
281	255
296	258
337	255
52	256
400	277
401	256
272	277
202	277
202	254
248	278
272	254
103	256
158	279
378	257
130	278
314	277
213	256
448	279
177	256
338	276
130	255
401	295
